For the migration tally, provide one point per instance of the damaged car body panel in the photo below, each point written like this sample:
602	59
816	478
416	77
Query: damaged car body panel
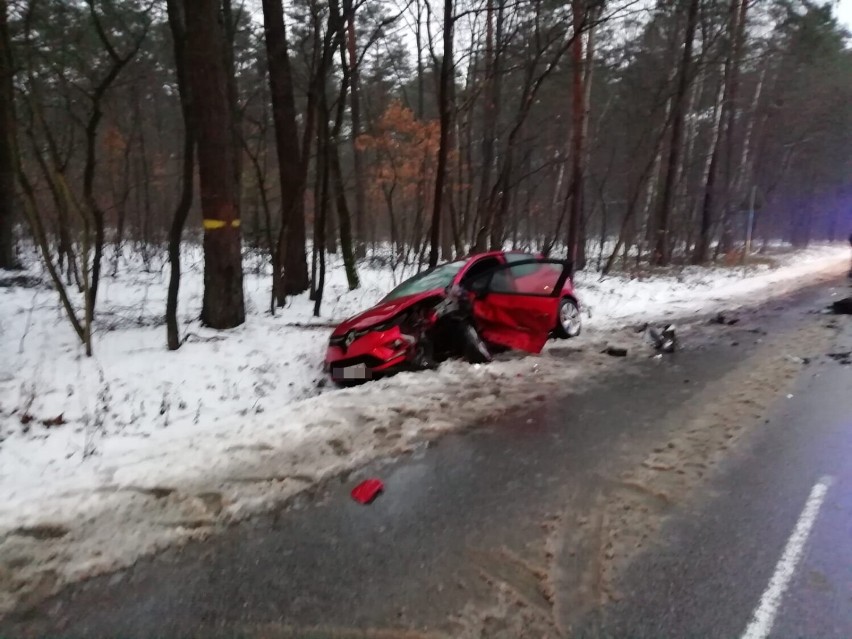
516	305
457	309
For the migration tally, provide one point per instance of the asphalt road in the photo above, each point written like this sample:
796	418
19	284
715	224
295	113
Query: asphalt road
718	561
477	534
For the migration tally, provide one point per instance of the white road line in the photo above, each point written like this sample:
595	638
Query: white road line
764	615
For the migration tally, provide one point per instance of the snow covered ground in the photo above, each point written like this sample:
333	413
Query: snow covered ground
105	458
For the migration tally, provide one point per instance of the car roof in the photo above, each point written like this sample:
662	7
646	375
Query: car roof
471	256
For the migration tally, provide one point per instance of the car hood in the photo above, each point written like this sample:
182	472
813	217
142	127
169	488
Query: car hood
384	311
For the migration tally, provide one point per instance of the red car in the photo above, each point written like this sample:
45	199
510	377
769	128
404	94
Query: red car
468	307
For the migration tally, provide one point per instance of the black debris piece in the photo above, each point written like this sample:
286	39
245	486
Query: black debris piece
842	307
844	358
725	320
615	351
663	340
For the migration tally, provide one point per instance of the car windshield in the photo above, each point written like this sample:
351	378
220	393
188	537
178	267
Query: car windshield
438	277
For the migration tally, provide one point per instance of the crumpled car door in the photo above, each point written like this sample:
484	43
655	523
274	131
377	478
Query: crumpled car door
516	305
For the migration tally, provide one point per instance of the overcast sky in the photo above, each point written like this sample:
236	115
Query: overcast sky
844	12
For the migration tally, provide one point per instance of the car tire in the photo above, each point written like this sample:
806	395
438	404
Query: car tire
568	321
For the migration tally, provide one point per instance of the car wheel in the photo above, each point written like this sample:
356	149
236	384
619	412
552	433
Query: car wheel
568	323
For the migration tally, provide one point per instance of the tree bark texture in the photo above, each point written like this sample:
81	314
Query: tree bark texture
289	259
222	305
7	130
177	24
661	254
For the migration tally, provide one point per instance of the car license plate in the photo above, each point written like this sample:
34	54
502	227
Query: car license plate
356	371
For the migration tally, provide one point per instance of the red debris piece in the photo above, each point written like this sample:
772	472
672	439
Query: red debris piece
367	490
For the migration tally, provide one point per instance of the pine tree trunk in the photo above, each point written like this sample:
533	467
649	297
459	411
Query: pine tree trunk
418	39
337	24
491	112
702	246
578	110
230	18
588	76
7	129
289	259
739	10
222	305
343	216
322	204
661	252
445	108
177	26
355	116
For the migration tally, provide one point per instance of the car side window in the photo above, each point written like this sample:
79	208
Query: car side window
523	269
478	268
540	279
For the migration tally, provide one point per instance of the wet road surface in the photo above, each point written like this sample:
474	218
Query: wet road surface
472	534
717	562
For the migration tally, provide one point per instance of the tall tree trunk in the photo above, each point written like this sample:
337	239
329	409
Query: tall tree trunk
648	173
355	116
229	18
177	24
418	43
290	269
745	168
7	130
739	9
117	64
588	76
446	111
121	206
702	245
578	111
322	204
661	252
222	305
337	24
343	216
491	114
449	213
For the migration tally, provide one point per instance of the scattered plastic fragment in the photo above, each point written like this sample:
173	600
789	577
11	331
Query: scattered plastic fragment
664	340
367	491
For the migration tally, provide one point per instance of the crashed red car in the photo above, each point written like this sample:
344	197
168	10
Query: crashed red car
470	308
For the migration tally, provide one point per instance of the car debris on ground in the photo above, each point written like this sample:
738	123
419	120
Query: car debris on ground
366	492
724	319
844	358
842	307
663	340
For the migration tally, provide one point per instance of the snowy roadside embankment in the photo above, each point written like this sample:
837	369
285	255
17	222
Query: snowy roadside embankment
105	458
693	290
